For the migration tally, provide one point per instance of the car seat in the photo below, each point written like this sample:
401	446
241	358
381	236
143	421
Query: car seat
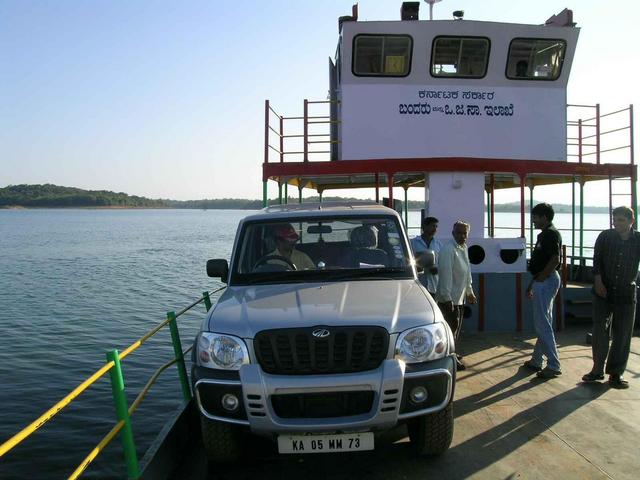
364	242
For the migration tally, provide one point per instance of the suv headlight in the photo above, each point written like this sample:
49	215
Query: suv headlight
422	344
216	350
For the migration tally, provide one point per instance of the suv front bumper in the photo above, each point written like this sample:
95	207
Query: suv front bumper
390	384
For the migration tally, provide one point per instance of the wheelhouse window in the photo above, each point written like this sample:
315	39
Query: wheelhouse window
382	55
535	58
466	57
323	249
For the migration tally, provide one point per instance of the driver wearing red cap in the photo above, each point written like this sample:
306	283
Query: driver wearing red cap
286	237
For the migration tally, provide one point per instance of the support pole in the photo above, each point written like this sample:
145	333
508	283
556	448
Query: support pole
610	201
279	192
266	131
581	220
519	292
530	215
377	188
177	350
634	174
598	133
390	177
286	193
488	213
573	222
265	200
281	140
481	293
122	412
306	131
406	208
580	141
522	180
493	206
299	193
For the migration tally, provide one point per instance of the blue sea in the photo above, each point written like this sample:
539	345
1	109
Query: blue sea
77	283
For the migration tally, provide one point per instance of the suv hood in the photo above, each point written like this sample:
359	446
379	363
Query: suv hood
395	305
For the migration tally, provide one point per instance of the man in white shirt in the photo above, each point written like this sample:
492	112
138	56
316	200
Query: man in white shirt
422	243
454	283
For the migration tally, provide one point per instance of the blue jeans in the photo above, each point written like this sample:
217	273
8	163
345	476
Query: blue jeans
543	295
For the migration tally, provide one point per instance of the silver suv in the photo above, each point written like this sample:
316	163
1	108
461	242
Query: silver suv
323	337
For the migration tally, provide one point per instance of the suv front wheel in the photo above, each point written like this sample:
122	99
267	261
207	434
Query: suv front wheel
222	441
432	434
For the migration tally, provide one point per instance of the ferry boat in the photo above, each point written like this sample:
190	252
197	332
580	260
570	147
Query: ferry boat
458	108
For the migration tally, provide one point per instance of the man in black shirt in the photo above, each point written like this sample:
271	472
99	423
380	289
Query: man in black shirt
615	267
545	282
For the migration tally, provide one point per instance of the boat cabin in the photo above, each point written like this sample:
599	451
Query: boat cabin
459	108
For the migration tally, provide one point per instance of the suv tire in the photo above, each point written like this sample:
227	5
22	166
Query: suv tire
222	442
432	434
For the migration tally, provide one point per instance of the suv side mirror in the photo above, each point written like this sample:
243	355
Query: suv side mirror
426	259
218	268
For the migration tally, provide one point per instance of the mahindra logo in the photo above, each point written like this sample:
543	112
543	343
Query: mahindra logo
321	333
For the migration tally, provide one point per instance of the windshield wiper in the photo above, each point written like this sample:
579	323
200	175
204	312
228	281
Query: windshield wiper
377	273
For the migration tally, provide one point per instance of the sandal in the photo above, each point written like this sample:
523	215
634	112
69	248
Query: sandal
548	373
531	366
592	377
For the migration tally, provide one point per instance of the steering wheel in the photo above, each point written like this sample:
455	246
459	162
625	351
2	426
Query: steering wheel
269	258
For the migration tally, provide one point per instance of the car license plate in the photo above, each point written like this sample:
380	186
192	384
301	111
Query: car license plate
345	442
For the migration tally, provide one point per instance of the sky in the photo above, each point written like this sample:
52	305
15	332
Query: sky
165	99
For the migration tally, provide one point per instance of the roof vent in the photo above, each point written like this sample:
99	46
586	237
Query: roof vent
409	10
348	18
562	19
458	14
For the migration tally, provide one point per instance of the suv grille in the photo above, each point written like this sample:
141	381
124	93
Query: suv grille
322	405
295	351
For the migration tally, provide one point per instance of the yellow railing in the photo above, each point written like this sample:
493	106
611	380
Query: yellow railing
108	367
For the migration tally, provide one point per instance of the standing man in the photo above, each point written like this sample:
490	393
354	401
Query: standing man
615	267
420	245
545	282
454	283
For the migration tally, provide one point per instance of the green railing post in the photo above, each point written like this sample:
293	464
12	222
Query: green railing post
177	350
207	300
286	193
122	411
265	200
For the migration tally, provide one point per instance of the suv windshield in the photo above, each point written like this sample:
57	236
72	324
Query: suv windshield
321	249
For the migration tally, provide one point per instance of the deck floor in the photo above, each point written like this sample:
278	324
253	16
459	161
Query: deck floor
508	425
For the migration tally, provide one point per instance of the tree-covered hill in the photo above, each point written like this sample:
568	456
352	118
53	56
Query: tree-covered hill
53	196
48	195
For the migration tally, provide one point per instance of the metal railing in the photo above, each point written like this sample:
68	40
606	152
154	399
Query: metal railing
308	138
588	134
124	413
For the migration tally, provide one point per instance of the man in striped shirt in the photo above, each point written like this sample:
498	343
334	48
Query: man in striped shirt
616	258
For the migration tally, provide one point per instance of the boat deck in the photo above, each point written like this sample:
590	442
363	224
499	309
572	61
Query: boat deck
509	424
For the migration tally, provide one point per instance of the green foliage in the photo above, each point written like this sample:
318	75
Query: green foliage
54	196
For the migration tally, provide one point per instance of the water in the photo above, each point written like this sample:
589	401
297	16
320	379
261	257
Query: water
76	283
